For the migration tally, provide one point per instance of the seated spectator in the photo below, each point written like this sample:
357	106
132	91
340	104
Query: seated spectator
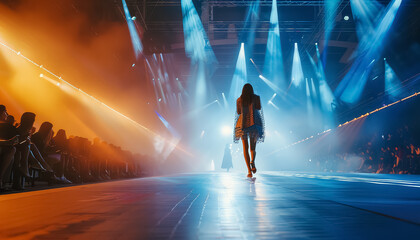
61	146
21	166
11	120
42	140
7	142
37	161
8	131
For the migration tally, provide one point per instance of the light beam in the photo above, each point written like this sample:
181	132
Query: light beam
135	39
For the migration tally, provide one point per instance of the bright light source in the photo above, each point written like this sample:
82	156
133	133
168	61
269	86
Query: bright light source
133	65
212	167
346	18
226	130
41	75
269	83
133	18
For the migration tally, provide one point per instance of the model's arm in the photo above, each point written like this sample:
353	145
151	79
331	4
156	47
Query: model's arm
238	106
257	102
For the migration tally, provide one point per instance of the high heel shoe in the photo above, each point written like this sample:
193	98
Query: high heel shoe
253	168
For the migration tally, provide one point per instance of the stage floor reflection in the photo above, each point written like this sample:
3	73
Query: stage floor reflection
220	205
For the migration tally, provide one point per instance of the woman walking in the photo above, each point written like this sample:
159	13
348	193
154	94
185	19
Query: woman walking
249	124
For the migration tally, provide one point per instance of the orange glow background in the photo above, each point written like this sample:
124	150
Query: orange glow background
80	44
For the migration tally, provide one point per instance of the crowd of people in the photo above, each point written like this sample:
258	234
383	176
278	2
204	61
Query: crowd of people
387	142
393	153
27	155
396	153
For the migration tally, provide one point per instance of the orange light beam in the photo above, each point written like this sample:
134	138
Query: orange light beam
92	97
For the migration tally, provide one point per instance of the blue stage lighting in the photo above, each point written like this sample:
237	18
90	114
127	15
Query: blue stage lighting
198	49
309	99
225	100
250	23
273	62
270	84
351	87
197	45
297	72
366	14
329	18
326	94
168	126
135	39
240	75
392	82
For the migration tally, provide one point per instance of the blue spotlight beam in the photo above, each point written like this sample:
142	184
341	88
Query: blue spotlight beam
197	45
240	75
326	94
309	99
366	15
194	112
251	21
225	102
270	84
198	49
273	62
331	11
297	72
171	129
135	39
392	82
351	87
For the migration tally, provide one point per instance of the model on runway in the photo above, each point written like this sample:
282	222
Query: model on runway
249	124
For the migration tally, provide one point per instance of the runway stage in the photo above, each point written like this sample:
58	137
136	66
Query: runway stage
220	205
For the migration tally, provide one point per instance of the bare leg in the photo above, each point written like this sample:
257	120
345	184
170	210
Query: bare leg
246	154
24	166
253	143
39	158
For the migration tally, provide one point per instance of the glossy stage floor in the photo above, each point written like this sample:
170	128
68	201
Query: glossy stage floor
220	205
